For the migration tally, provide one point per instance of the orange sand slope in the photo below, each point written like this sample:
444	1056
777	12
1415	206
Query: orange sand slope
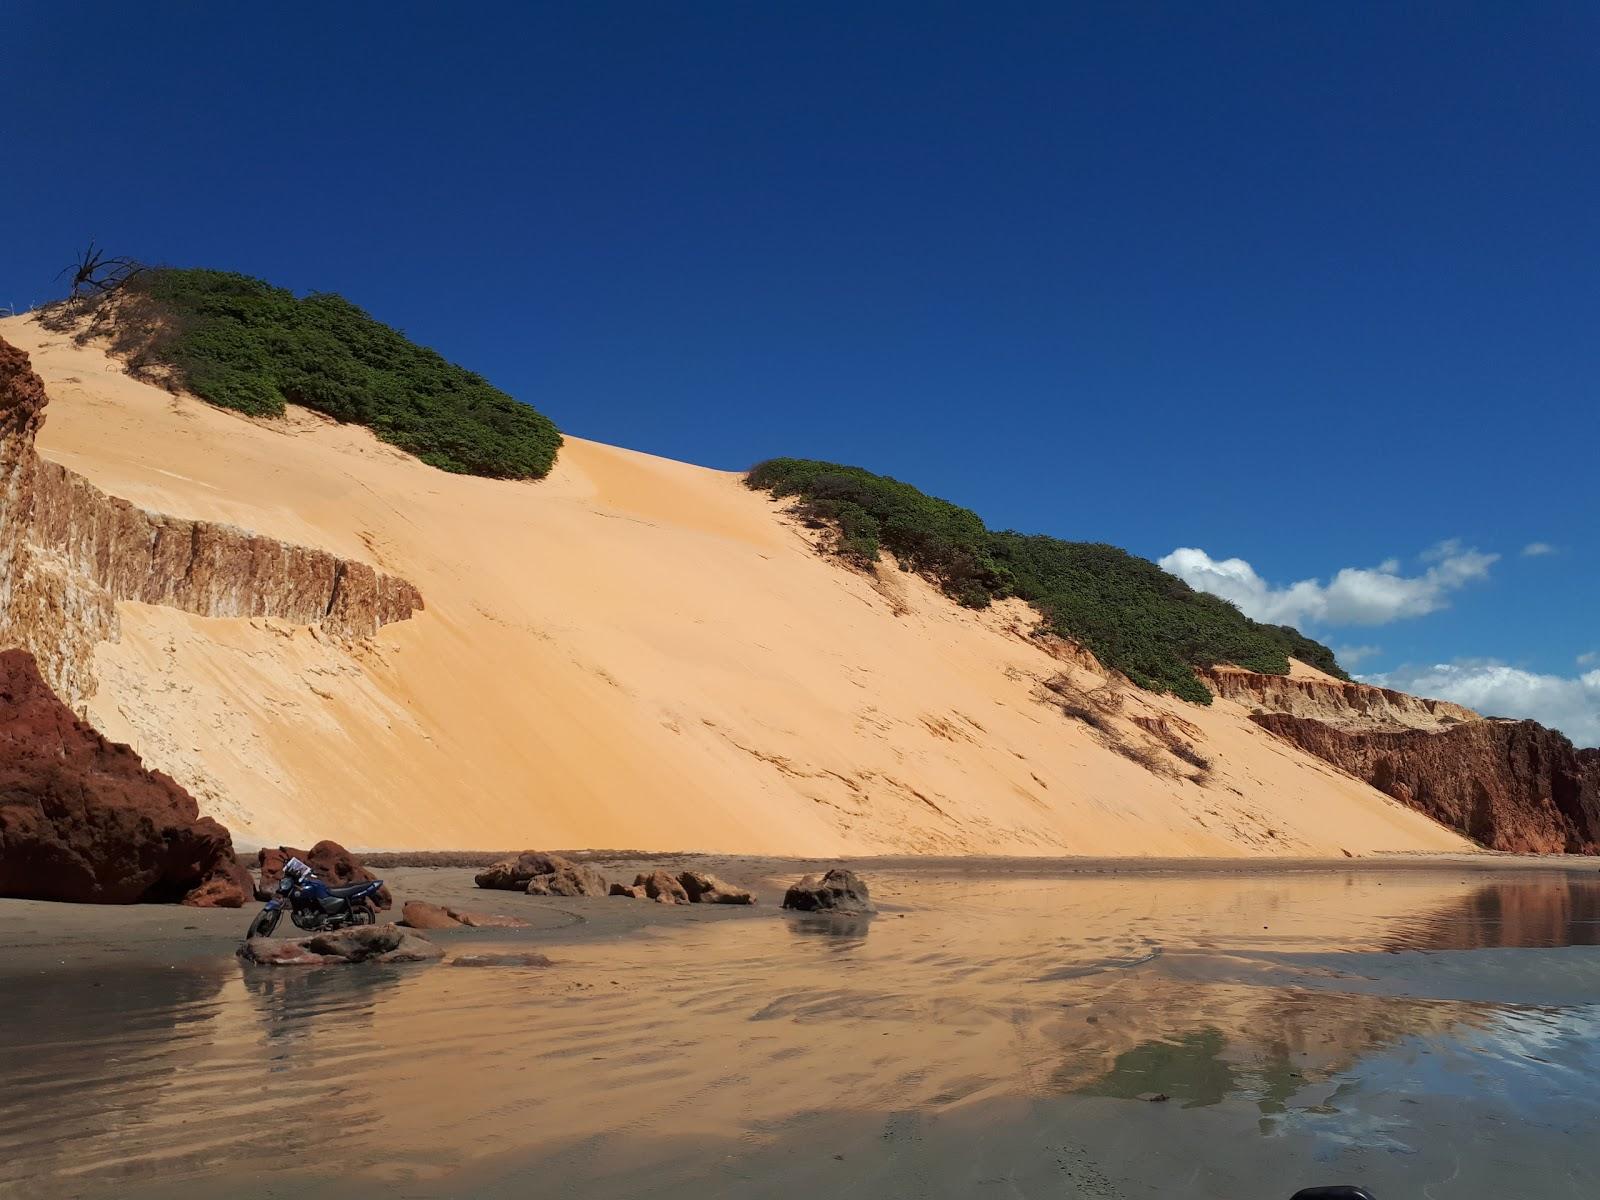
633	653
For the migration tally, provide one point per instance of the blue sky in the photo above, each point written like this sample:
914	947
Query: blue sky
1299	289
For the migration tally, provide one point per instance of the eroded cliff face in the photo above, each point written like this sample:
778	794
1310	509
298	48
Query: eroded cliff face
1335	702
68	552
1508	785
82	819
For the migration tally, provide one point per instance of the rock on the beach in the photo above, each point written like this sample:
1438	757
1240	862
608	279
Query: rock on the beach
500	960
541	874
329	861
82	820
487	920
661	887
229	887
573	880
418	914
703	887
360	943
839	891
513	874
688	887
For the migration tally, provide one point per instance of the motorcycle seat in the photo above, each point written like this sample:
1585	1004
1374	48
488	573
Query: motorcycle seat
348	891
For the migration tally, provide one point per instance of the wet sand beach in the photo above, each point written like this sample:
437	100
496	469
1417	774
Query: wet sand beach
1426	1029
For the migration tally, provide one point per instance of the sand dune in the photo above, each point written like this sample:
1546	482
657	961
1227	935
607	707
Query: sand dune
633	652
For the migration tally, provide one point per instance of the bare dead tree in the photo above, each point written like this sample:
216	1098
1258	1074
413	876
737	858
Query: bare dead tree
94	273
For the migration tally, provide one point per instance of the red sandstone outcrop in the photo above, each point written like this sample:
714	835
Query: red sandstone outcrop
1333	701
82	820
68	552
1508	785
329	861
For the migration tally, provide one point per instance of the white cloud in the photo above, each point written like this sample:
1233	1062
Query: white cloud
1349	656
1589	659
1537	549
1571	705
1354	596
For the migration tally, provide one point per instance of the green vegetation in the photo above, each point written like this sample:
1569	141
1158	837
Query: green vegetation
1136	618
244	344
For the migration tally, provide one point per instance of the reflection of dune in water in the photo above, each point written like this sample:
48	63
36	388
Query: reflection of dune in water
985	992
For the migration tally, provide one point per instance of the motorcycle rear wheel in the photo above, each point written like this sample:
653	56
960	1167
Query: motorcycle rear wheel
363	914
266	921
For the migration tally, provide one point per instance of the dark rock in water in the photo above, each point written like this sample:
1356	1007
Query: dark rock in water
282	952
541	874
661	887
360	943
82	820
838	891
705	888
329	861
500	960
419	914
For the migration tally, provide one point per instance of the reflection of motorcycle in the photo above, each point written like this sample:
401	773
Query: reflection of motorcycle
1333	1193
313	905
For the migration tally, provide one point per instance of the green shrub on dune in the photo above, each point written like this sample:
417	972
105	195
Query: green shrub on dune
1135	617
244	344
938	539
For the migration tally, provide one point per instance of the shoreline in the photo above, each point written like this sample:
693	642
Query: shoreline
1004	865
40	936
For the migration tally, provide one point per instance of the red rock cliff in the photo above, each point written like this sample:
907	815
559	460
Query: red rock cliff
68	552
1508	785
81	819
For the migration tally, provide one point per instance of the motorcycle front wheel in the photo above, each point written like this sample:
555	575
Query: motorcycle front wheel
266	921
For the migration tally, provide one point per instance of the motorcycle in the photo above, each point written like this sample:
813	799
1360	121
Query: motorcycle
314	906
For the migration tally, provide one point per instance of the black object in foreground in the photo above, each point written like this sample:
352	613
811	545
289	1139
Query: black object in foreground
1338	1192
313	905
